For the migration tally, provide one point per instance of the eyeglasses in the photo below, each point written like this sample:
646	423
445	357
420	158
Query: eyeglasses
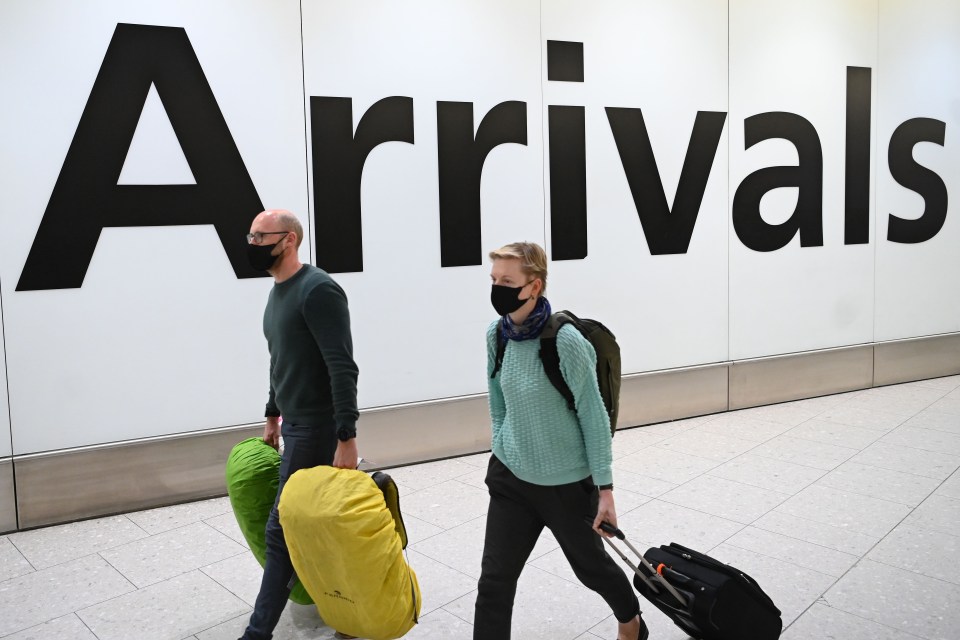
257	238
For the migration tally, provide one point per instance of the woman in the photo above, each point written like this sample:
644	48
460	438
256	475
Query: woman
550	466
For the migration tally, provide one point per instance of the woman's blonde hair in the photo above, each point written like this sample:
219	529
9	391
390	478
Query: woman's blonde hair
532	257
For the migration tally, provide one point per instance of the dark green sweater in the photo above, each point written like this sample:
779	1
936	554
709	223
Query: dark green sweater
313	378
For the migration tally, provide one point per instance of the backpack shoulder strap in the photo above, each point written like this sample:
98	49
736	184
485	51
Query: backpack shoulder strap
391	496
550	356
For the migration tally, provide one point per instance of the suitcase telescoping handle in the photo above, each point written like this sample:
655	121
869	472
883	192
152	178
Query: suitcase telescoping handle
620	535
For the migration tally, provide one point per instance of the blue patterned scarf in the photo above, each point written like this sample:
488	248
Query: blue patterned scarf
531	327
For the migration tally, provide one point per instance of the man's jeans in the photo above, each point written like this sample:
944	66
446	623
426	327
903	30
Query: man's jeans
304	447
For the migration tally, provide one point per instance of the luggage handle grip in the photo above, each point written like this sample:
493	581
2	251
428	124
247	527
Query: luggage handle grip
620	535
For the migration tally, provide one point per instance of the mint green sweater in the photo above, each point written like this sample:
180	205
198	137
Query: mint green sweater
534	433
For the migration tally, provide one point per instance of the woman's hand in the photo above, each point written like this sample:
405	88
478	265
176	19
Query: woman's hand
606	512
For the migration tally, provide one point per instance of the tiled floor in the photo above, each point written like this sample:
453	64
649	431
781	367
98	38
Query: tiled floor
845	508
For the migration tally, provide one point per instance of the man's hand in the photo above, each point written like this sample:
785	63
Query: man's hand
346	456
271	432
605	512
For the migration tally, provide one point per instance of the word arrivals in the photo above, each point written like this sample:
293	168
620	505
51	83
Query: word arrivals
224	195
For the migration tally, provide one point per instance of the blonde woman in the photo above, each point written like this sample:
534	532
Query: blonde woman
551	467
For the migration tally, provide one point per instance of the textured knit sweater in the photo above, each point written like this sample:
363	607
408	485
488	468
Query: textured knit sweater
535	434
313	377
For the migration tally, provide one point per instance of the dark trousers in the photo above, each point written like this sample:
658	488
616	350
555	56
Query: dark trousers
518	513
303	447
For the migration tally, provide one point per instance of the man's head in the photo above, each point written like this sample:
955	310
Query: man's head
275	235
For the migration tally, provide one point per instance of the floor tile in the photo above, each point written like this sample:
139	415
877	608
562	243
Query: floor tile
725	498
805	452
479	460
745	428
949	405
69	627
824	534
896	486
767	473
168	554
935	420
461	548
937	513
842	435
430	474
950	487
900	599
474	479
908	391
41	596
172	609
167	518
788	413
931	464
639	483
658	522
298	622
441	625
792	588
660	626
712	446
439	584
804	554
948	383
821	621
417	529
632	440
546	607
447	504
926	439
226	523
664	464
12	562
863	418
54	545
924	551
871	516
556	563
240	575
906	407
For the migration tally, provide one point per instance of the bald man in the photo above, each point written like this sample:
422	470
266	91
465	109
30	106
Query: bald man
313	385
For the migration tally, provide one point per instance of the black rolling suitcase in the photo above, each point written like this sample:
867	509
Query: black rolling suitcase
706	598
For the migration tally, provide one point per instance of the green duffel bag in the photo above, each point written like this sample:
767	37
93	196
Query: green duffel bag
253	475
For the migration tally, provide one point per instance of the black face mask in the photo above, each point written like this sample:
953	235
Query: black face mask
260	258
506	299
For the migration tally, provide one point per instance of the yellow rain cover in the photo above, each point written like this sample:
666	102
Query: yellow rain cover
347	553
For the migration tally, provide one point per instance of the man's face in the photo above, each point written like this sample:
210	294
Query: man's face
265	230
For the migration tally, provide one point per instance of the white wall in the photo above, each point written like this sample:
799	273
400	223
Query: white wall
918	76
162	337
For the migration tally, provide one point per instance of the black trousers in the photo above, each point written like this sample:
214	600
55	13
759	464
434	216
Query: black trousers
518	513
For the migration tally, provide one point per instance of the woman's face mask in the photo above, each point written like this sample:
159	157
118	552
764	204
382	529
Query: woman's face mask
507	299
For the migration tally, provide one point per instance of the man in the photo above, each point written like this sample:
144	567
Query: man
313	385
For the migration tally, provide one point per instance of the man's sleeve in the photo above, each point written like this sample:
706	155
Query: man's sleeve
272	410
498	407
326	313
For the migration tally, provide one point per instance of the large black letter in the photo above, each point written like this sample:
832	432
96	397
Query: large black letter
338	159
568	183
807	218
87	198
857	191
906	171
461	159
666	231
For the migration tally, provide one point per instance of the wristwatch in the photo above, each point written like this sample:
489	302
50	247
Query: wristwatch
606	486
346	433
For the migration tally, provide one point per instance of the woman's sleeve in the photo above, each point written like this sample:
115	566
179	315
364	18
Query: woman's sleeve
578	364
498	408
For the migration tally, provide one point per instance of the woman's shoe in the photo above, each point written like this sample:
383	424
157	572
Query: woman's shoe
642	633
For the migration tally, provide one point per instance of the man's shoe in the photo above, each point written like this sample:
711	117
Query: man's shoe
342	636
